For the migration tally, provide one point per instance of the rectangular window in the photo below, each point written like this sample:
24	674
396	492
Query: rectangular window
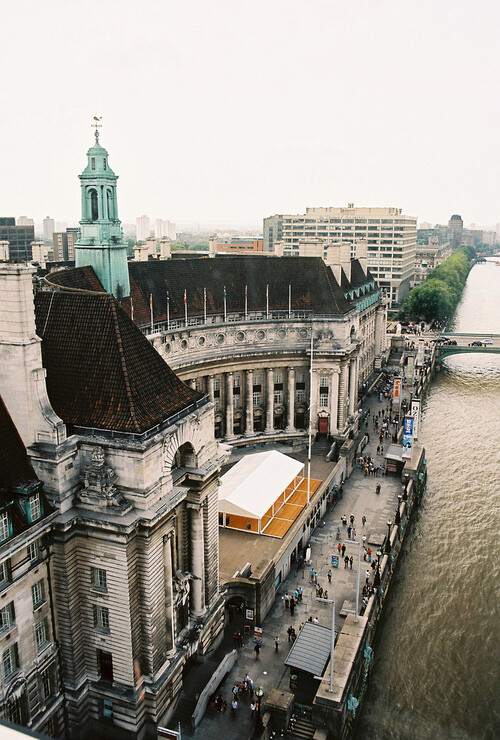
4	526
278	397
101	618
257	379
40	634
278	377
256	398
92	163
10	661
35	507
33	551
324	381
46	684
236	381
236	401
323	400
7	617
216	384
300	396
4	573
99	579
301	377
217	404
37	594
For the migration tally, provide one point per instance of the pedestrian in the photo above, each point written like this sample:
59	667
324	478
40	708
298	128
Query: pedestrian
339	548
349	528
353	532
289	632
352	519
363	540
219	703
378	449
325	595
300	593
367	577
329	576
240	639
252	708
346	562
311	575
257	650
315	620
287	600
292	606
251	686
276	643
315	577
343	549
294	635
235	690
351	560
363	519
369	554
234	706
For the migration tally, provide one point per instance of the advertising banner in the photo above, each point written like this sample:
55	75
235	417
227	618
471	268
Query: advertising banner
407	437
396	394
415	412
420	353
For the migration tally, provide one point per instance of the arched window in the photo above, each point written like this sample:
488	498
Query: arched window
111	213
185	457
94	208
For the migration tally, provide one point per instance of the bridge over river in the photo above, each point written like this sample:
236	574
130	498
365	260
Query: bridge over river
463	342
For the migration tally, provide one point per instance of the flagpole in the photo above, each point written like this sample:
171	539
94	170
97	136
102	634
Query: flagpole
310	423
246	302
185	308
151	309
289	301
225	311
131	309
168	311
204	305
267	301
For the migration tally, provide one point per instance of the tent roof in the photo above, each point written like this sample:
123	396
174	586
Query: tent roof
394	452
252	486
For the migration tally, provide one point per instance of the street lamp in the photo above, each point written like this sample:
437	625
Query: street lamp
388	543
259	693
379	555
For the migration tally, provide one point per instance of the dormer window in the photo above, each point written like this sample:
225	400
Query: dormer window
92	163
104	163
35	507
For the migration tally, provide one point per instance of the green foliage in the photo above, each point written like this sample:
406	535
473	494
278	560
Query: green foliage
438	297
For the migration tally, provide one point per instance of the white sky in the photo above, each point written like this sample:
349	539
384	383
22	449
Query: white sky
228	111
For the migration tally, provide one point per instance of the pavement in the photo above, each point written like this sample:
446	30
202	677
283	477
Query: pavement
268	670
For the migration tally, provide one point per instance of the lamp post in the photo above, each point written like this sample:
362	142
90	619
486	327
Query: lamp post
332	644
388	543
356	613
397	517
259	693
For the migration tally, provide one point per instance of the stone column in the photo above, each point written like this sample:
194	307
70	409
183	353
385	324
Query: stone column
352	386
290	427
270	402
192	383
315	400
210	386
344	375
197	595
334	401
169	593
249	404
229	406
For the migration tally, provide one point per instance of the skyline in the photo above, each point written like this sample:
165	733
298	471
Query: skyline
259	109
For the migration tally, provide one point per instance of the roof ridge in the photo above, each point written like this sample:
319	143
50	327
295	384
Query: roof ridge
329	276
123	362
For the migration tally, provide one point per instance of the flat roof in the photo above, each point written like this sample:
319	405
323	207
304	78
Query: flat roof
311	650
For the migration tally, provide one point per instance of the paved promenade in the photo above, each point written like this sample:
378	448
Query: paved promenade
268	670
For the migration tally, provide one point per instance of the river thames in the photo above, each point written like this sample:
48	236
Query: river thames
437	658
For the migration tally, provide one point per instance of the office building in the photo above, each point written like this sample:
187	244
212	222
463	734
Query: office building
390	236
456	227
19	238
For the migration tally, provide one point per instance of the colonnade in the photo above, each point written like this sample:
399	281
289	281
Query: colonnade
342	396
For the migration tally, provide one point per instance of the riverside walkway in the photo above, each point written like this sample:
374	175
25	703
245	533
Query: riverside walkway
268	670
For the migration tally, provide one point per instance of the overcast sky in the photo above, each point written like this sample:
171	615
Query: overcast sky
224	111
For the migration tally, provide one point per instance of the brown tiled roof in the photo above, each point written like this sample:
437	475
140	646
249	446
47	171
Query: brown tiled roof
14	461
81	278
312	282
101	370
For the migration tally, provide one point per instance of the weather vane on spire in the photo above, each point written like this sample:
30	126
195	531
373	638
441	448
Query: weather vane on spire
97	126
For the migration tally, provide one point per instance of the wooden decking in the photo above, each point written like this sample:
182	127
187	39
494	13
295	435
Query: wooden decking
295	500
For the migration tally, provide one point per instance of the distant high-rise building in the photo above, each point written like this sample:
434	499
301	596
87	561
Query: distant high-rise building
165	228
390	235
60	242
48	228
456	227
19	238
23	221
143	228
72	238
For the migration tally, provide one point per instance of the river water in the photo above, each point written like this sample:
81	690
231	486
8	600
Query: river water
437	657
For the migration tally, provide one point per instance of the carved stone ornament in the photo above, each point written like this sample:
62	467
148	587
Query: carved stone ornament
181	586
99	489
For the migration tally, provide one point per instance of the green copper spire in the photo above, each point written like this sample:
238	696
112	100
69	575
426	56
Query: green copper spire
100	241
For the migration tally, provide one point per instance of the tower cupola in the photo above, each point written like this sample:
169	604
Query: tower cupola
100	240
